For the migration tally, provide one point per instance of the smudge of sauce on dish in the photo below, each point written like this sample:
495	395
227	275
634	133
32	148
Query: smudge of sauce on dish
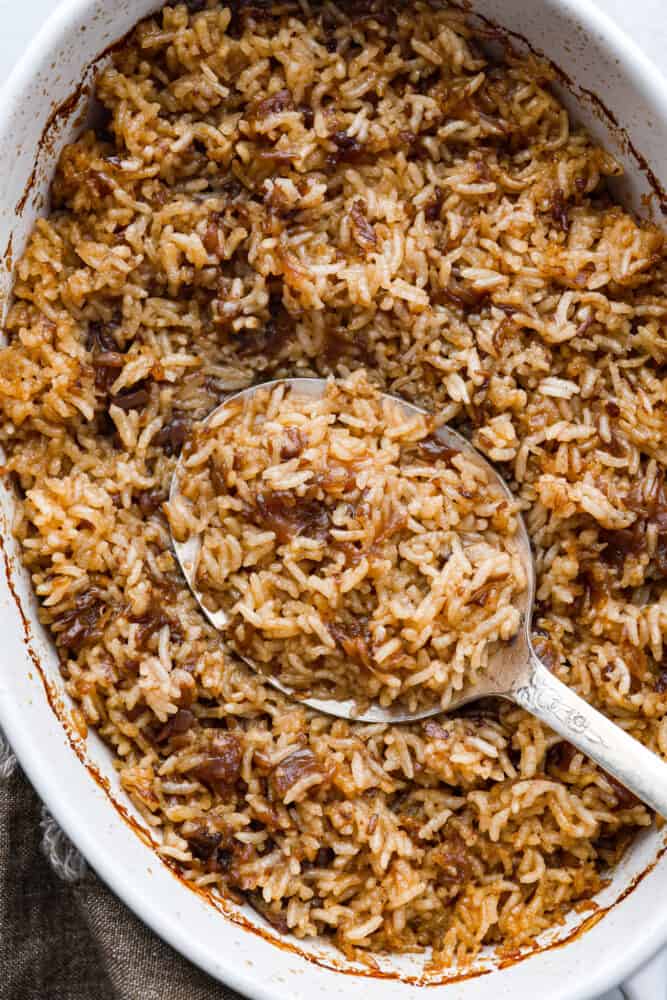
8	255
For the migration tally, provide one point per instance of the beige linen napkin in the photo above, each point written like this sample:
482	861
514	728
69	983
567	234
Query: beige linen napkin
63	934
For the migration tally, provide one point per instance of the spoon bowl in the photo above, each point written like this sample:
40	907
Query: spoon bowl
514	670
496	677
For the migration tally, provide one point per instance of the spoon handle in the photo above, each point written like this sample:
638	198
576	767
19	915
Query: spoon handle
631	763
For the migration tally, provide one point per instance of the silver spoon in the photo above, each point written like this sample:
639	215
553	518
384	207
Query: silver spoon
514	671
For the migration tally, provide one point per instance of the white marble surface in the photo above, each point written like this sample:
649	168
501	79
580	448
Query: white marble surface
644	20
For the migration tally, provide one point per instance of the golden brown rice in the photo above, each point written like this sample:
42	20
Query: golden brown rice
310	191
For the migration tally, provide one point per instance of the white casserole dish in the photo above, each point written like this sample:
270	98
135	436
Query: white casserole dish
594	949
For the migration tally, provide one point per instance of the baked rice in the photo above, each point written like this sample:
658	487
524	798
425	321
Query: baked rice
353	554
296	190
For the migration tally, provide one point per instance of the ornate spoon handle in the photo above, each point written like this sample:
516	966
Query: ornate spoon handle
639	769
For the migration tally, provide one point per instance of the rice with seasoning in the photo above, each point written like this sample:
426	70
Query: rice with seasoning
353	554
312	191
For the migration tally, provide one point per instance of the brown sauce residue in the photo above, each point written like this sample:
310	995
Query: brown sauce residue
222	767
149	501
460	294
546	651
620	544
273	338
204	843
152	621
454	863
559	210
83	622
362	230
176	725
297	765
258	903
433	208
625	798
21	203
273	105
288	515
434	449
8	255
561	755
354	638
134	398
173	435
294	444
347	149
